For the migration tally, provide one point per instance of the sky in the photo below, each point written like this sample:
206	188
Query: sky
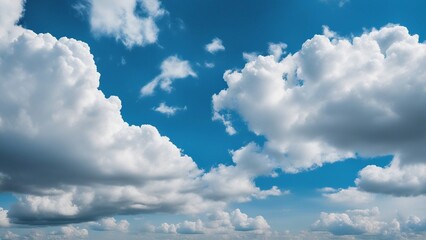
213	119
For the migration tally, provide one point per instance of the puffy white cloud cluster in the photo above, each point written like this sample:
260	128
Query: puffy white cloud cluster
4	220
335	98
69	155
171	68
236	182
110	224
355	222
397	179
219	222
66	232
369	222
70	232
215	46
130	21
349	195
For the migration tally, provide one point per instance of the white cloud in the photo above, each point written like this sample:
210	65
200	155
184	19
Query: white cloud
371	224
355	222
219	222
8	235
110	224
350	195
56	124
215	46
171	68
10	13
168	110
237	182
277	50
71	232
209	65
120	20
396	179
251	56
4	220
334	98
340	3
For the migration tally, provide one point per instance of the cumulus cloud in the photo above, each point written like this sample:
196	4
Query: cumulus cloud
336	98
350	195
276	50
4	220
71	232
65	232
10	13
370	222
131	22
110	224
168	110
70	157
8	235
237	182
396	179
215	46
171	68
219	222
355	222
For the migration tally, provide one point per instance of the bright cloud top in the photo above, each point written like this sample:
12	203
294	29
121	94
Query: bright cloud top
124	21
337	97
171	68
215	46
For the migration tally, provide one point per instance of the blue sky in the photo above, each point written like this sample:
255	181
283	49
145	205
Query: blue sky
305	119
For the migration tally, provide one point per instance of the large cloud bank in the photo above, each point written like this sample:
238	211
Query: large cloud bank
67	151
337	98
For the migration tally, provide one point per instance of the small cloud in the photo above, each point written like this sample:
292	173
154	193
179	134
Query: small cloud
209	65
123	61
251	56
215	46
110	224
277	50
168	110
340	3
171	68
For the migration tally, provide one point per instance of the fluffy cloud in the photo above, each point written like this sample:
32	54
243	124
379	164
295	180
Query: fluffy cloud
71	232
215	46
110	224
168	110
218	223
70	157
355	222
171	68
334	98
10	13
65	232
369	222
276	50
125	21
396	179
236	182
349	195
4	220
